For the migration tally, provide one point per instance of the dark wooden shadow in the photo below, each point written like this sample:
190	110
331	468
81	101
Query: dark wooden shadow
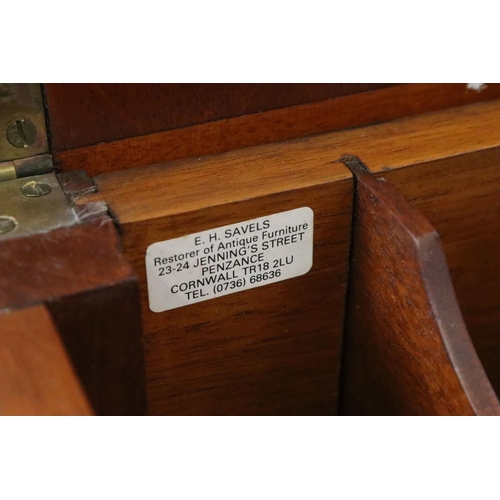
406	348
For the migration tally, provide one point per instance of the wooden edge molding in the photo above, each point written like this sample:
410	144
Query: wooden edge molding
406	347
357	110
36	376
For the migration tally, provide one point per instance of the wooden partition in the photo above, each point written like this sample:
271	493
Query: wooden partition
459	195
406	347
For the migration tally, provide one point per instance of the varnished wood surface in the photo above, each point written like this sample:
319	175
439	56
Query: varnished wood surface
85	282
36	376
271	350
142	193
150	202
279	125
82	114
460	197
406	347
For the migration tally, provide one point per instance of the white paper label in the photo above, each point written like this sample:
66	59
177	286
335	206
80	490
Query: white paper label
229	259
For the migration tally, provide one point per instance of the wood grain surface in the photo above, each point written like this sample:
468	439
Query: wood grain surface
406	348
154	203
271	350
83	114
406	140
35	372
216	137
90	290
460	197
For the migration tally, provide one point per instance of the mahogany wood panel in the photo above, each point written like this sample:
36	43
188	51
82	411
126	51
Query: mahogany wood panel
460	197
92	294
406	347
269	350
36	376
299	121
87	113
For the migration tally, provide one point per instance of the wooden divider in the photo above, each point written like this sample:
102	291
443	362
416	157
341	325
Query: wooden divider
406	348
460	197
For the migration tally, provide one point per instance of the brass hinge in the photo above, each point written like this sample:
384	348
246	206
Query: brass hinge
32	198
23	135
32	205
25	167
22	121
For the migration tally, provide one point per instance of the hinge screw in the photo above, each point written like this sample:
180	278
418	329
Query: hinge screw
21	134
34	189
7	223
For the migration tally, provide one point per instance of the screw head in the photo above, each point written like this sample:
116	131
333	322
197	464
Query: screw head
7	223
35	189
21	133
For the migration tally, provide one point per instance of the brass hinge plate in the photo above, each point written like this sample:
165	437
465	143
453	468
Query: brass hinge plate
33	205
22	121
